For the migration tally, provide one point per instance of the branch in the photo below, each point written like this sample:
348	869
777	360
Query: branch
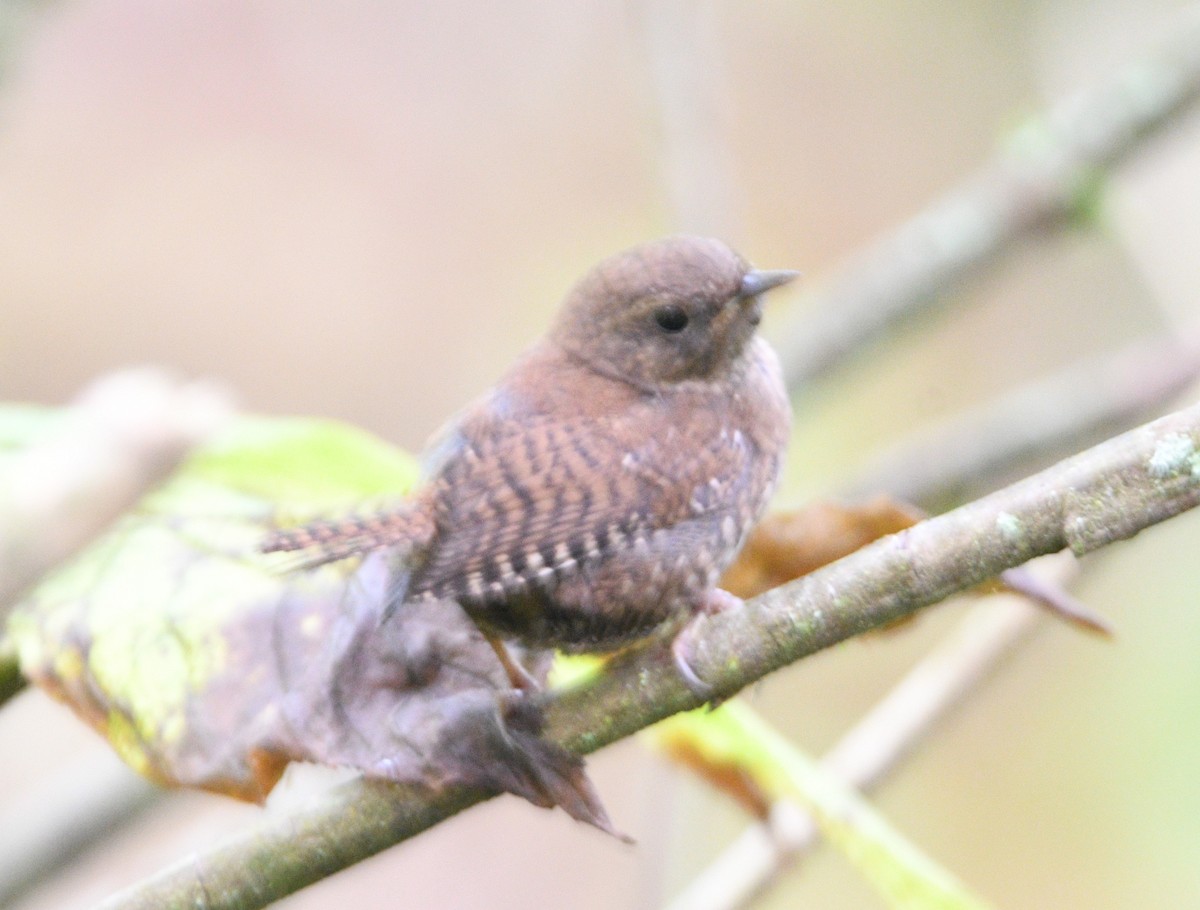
1044	178
1105	494
971	452
123	436
54	821
684	55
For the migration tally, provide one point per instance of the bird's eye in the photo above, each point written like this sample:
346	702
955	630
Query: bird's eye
671	318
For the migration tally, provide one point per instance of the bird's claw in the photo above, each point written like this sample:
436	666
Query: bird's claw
716	601
695	684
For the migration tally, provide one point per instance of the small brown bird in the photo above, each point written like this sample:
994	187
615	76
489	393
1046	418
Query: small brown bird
606	482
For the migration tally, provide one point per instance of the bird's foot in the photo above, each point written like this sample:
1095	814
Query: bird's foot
519	678
717	601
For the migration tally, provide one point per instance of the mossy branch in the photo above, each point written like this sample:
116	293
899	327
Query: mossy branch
1107	493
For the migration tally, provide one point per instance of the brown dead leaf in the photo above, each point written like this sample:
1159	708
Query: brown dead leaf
299	669
724	777
789	545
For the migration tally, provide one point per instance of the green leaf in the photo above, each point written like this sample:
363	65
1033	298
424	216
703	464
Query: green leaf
138	627
734	738
306	461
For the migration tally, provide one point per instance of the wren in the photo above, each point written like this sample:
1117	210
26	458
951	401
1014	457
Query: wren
601	488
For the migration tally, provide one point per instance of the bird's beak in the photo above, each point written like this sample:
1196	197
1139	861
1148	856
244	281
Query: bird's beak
757	281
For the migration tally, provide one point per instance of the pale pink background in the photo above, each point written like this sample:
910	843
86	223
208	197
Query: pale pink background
366	209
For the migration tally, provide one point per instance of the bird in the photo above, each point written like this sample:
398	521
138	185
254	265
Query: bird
599	490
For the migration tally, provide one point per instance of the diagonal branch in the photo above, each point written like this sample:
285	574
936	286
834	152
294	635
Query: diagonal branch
973	452
45	828
1045	177
125	434
1103	495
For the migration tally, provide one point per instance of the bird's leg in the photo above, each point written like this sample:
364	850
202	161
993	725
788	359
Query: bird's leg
715	601
518	677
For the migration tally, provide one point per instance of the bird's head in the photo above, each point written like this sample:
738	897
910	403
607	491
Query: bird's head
667	311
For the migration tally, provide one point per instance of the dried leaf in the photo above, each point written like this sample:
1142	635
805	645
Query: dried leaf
788	545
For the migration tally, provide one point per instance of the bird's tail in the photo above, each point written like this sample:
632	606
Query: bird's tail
330	540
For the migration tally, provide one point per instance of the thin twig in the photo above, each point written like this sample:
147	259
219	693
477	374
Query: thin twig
684	57
970	452
1105	494
123	436
1045	177
52	824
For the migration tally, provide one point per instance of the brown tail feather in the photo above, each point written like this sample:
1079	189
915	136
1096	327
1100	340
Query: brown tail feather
330	540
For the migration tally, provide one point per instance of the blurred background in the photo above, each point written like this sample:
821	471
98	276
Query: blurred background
366	210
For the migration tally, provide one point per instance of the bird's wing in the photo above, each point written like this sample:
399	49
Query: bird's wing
526	498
